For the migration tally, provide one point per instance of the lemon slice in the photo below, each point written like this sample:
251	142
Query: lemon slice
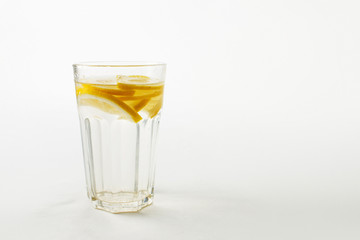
107	103
114	90
137	105
133	78
110	89
141	104
139	97
135	82
133	86
153	107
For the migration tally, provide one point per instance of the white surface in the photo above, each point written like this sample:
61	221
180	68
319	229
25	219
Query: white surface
260	134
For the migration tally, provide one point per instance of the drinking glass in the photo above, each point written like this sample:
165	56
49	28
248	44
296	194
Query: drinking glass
119	105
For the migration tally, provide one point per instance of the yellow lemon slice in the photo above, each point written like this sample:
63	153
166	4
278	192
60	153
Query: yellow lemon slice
114	90
136	82
137	105
133	78
110	89
153	106
140	105
106	103
139	97
150	86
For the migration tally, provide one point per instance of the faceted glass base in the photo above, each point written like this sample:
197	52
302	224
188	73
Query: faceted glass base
122	206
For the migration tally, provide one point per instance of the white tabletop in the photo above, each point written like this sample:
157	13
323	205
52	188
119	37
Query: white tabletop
239	191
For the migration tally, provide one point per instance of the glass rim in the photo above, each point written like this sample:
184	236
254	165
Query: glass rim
119	64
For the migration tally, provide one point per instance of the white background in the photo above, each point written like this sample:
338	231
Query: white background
260	132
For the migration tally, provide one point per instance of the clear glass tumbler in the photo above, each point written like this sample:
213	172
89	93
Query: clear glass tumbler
119	106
